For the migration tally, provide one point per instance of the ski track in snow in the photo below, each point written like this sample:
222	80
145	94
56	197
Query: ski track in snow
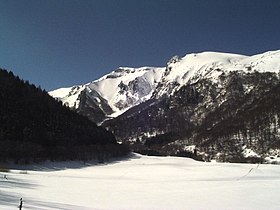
142	182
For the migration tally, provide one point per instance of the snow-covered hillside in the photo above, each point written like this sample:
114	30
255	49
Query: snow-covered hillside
142	183
127	87
210	65
120	89
69	96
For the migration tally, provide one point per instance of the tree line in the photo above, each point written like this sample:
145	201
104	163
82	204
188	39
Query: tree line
34	127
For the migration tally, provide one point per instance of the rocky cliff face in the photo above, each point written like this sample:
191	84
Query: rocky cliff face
224	104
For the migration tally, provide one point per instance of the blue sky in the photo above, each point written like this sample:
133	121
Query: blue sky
58	43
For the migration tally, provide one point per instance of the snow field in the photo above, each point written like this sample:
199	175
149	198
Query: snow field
142	182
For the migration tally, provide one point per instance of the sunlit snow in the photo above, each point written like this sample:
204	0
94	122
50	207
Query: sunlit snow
178	72
142	182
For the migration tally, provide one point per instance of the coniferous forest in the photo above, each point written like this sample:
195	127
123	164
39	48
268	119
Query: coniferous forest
36	127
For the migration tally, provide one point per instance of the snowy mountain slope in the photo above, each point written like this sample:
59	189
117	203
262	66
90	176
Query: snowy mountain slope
124	88
69	96
127	87
219	102
210	65
266	62
216	101
120	89
180	70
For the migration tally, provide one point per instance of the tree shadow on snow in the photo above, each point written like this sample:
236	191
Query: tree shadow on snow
12	182
129	157
62	165
7	199
12	199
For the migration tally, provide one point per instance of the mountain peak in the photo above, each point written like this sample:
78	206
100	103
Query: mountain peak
126	87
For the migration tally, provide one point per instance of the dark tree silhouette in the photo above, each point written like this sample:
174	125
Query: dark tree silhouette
34	126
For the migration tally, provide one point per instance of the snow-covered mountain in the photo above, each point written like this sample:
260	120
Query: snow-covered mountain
225	104
113	93
126	87
210	65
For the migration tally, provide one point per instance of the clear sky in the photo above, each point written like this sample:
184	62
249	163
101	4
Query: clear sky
59	43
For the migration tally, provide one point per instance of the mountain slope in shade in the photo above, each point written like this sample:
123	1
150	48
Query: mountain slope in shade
35	127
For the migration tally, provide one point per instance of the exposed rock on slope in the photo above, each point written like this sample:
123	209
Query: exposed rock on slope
223	103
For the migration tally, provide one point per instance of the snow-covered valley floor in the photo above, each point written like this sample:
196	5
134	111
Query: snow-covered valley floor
142	182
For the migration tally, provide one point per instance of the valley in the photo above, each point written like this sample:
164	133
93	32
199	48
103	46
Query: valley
141	182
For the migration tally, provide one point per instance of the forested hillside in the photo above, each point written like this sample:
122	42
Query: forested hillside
34	127
223	120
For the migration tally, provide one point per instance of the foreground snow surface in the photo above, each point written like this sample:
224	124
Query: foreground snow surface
142	182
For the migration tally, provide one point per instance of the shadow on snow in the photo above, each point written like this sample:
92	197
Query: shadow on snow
62	165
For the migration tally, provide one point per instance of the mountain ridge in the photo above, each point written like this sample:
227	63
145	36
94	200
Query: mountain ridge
181	107
126	87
